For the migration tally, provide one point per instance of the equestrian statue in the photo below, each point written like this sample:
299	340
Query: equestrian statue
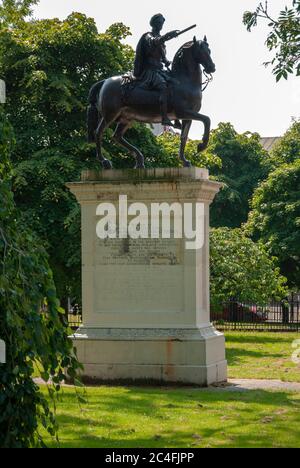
153	93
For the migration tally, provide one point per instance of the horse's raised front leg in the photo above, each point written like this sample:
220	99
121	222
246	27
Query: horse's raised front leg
191	115
119	138
186	125
99	137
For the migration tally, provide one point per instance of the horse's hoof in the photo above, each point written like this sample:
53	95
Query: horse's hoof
202	147
107	164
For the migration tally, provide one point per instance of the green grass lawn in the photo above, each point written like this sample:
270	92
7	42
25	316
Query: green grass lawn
262	356
178	418
119	417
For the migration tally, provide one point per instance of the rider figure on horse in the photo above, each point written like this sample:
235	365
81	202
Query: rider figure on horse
150	61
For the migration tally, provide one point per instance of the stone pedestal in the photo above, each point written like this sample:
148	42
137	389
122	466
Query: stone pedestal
146	311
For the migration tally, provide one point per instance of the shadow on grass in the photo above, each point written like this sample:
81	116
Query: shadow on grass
125	420
235	355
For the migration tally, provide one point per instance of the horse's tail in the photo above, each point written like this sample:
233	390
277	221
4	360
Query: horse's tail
93	114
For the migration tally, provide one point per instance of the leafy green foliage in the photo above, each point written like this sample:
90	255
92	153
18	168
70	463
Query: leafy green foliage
45	204
275	218
283	39
49	66
241	169
12	12
242	269
7	142
287	150
171	144
31	323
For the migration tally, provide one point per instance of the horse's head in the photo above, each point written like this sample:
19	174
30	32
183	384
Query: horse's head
202	55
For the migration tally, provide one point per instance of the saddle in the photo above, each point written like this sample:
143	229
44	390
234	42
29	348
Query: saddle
130	83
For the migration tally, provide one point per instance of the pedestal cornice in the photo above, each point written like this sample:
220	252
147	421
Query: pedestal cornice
182	184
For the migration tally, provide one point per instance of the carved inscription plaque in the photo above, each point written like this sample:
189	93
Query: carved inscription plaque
139	252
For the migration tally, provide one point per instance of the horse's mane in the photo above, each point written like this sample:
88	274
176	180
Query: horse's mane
177	62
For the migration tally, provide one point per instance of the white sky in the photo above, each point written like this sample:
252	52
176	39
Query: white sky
243	92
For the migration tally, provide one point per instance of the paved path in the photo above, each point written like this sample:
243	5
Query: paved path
242	385
246	385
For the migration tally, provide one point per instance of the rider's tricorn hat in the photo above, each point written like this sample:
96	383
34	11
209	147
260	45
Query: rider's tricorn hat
155	17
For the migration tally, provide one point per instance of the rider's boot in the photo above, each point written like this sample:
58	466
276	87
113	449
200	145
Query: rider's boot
177	124
164	108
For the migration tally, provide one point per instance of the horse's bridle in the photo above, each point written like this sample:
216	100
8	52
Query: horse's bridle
209	78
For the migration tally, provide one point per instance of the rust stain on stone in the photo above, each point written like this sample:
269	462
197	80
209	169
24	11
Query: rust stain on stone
169	367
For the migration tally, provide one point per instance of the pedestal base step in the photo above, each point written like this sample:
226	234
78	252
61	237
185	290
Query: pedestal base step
187	357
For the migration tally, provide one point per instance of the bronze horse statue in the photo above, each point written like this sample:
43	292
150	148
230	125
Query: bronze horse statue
110	103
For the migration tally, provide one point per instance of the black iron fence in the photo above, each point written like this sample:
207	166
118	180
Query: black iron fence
276	316
236	315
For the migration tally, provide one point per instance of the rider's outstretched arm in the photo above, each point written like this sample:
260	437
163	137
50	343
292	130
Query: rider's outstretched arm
170	35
